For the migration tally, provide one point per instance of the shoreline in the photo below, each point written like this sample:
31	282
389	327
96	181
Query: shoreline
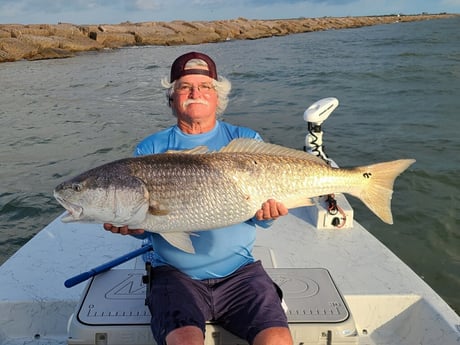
64	40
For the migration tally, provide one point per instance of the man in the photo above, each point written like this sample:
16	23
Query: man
221	281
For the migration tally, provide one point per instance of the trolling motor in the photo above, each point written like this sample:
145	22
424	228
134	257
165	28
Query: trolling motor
315	115
327	214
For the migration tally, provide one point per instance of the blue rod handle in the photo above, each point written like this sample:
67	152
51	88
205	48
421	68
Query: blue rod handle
105	267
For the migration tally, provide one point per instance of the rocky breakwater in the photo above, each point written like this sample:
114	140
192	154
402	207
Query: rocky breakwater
47	41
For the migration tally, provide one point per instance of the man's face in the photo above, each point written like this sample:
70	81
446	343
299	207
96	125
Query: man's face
194	97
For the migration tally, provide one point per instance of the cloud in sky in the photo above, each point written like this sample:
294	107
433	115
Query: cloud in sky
116	11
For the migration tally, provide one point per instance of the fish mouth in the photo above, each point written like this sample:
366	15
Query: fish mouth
74	212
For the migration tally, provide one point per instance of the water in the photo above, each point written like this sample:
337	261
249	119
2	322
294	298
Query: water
399	88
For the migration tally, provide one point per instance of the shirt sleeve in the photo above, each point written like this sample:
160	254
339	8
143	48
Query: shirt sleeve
265	224
142	236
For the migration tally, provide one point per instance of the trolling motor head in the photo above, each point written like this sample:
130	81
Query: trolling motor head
319	111
315	115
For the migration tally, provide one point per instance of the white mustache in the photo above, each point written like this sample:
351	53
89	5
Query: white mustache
191	101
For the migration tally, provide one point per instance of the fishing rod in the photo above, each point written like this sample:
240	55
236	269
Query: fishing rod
107	266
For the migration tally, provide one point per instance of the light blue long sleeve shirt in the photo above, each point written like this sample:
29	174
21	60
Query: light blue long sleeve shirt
218	252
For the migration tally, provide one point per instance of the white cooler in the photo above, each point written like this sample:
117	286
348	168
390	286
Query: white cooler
112	310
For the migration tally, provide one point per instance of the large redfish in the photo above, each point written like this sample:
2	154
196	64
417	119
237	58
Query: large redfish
177	193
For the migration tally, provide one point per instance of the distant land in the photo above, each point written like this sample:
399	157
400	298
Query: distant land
62	40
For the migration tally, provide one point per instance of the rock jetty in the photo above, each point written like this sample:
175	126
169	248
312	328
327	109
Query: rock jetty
49	41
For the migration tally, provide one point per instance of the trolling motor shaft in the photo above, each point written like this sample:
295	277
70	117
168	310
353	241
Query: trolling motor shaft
327	214
315	115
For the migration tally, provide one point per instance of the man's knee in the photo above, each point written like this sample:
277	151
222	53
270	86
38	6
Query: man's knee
274	336
187	335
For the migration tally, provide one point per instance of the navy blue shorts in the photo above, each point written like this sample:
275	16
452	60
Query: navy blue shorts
244	303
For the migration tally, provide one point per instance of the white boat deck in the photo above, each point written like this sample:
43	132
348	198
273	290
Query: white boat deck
389	303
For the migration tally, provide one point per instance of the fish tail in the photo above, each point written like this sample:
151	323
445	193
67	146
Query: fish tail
377	192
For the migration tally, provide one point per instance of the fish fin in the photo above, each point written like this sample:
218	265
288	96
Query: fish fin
297	202
194	151
378	189
310	202
155	209
247	145
180	240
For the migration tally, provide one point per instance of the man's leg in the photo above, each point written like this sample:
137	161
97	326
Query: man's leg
179	308
188	335
248	305
273	336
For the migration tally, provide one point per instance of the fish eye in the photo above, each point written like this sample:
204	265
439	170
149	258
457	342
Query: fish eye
77	187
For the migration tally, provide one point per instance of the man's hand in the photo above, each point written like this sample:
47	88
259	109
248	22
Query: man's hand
123	230
271	209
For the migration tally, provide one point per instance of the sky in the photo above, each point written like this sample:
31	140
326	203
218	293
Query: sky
118	11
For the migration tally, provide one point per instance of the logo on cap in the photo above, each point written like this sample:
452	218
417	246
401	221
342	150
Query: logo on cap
178	67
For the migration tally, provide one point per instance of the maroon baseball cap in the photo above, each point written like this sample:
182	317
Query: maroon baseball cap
178	67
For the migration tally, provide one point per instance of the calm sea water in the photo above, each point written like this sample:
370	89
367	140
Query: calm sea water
399	88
